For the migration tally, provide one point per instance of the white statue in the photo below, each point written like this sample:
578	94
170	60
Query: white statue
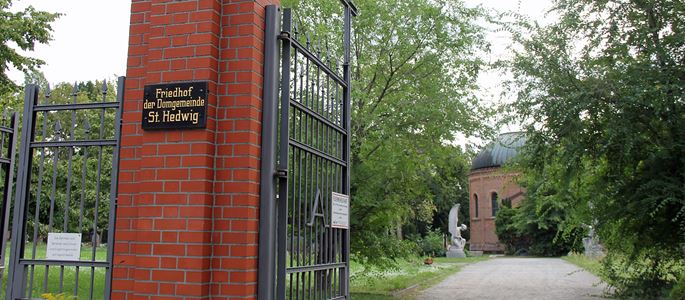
456	248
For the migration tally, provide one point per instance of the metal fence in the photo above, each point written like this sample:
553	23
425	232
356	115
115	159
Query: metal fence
307	127
8	142
66	189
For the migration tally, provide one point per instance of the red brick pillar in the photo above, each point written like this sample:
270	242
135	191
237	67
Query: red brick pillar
187	215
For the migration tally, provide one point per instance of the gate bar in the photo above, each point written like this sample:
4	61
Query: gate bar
350	10
113	189
312	57
282	202
8	168
317	116
353	8
84	143
15	280
77	106
317	267
318	153
267	206
46	262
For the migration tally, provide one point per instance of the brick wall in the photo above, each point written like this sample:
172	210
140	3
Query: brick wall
483	183
187	215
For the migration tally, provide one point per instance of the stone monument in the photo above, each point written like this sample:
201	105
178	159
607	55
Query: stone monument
591	244
457	243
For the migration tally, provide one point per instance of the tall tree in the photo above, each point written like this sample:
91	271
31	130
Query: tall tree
415	66
22	30
601	93
449	185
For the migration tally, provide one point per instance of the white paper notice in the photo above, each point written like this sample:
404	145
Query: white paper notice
64	246
340	207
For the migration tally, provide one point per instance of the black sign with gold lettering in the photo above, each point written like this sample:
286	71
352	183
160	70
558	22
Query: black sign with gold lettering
180	105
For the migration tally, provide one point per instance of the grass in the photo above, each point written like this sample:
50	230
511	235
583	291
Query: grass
592	265
366	283
64	276
373	284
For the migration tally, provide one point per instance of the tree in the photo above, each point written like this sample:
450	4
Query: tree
449	185
544	223
601	94
415	66
21	30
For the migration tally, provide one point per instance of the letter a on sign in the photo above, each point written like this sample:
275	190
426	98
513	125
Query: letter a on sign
318	204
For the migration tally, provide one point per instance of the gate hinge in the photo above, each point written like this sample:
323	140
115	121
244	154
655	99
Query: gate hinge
284	35
281	173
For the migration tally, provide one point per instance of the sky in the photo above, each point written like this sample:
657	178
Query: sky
90	41
491	82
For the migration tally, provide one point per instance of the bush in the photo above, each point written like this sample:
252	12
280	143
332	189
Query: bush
387	250
522	230
508	234
678	291
432	244
649	275
551	242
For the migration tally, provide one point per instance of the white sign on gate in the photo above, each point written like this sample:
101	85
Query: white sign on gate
340	211
63	246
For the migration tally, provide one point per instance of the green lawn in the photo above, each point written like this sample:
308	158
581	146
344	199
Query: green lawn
375	284
592	265
63	280
366	284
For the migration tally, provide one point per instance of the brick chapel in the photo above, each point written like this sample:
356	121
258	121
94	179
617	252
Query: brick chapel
489	184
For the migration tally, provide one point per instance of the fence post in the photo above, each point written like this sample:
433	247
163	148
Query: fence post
267	206
15	280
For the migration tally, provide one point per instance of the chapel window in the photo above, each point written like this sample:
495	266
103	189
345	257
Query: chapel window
475	198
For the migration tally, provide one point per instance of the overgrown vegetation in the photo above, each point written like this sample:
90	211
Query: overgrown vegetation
590	264
369	282
432	244
600	92
415	64
514	242
678	290
537	226
648	275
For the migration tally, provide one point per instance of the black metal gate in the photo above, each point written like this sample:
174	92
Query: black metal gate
304	254
8	142
64	207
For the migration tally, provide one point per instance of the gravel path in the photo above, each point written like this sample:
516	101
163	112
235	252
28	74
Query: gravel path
518	278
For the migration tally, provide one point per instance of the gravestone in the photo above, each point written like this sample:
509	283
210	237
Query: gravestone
591	244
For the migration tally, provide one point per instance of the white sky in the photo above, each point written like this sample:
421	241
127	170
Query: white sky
491	82
90	39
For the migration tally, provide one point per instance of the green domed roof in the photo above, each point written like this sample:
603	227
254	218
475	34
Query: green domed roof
499	152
